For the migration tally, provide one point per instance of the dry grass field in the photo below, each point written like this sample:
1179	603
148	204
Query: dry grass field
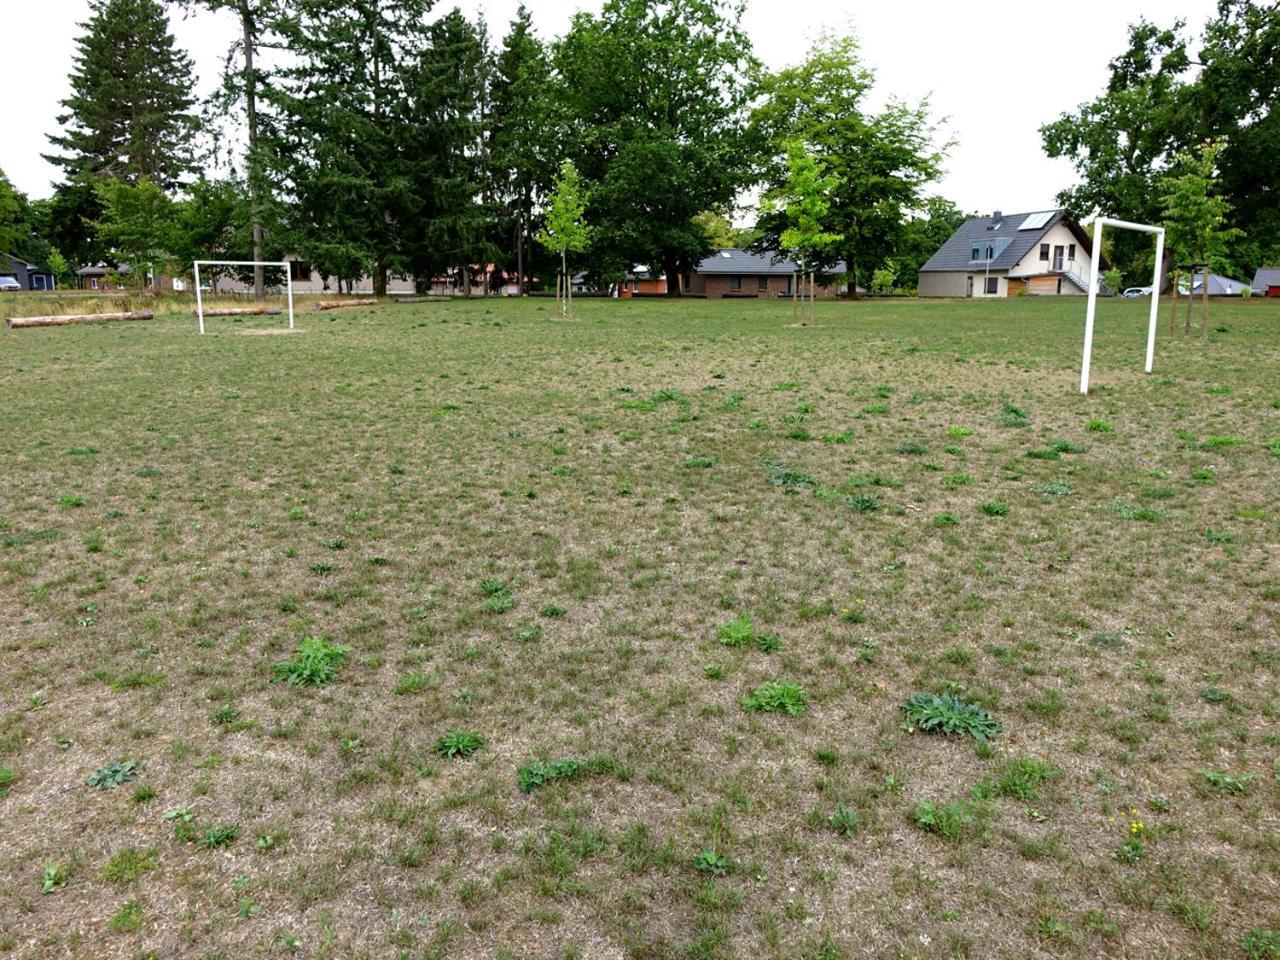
456	631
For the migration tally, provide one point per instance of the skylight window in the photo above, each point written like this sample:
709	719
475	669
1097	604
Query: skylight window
1037	220
726	254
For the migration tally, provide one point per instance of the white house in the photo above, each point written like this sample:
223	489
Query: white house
1041	254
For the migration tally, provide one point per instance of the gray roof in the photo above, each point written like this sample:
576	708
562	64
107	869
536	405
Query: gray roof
1266	277
1011	244
1220	286
744	263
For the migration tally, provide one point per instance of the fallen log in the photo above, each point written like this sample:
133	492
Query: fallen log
244	312
338	304
431	298
17	323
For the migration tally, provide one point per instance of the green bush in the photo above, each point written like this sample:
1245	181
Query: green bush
315	664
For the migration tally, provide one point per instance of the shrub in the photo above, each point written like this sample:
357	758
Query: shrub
950	715
315	664
459	743
777	696
995	509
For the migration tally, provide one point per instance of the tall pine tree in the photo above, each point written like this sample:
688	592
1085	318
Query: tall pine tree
129	114
340	149
243	84
521	149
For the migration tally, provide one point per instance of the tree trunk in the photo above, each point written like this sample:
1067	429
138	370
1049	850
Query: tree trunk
1204	301
380	280
1173	303
466	280
671	270
18	323
520	250
795	289
1186	320
254	175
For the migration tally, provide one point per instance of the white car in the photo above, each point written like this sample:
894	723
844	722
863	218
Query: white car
8	283
1132	292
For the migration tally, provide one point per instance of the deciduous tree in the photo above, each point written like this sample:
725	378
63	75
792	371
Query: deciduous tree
652	94
565	230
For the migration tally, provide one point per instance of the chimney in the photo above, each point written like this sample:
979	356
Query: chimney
997	218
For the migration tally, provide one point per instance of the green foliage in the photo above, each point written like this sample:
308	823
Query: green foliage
218	837
947	714
875	164
995	509
777	696
946	820
1229	783
52	876
541	772
684	67
128	919
113	775
845	820
1195	213
136	225
128	865
7	776
315	664
1017	779
712	861
738	632
458	744
1261	944
1099	426
132	89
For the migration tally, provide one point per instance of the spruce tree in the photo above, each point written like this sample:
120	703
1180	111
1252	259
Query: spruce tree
129	114
520	130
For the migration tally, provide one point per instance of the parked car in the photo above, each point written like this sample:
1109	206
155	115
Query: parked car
8	283
1137	292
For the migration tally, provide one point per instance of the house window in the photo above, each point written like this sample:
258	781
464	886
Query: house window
1071	251
1044	252
299	270
991	253
993	286
93	283
635	286
735	283
975	254
762	284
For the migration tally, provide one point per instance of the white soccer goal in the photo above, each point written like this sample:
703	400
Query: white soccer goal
1094	280
282	264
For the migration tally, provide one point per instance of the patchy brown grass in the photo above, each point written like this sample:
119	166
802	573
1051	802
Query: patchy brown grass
534	530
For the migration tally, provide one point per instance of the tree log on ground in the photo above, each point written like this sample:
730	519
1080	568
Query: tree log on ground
18	323
338	304
243	312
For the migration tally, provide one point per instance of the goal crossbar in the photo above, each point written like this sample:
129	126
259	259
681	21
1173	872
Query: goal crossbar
1094	281
283	264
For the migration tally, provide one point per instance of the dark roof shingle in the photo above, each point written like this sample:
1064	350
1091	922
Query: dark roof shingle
956	253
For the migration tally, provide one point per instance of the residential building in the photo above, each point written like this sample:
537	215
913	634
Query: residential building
739	273
1266	282
31	276
1043	253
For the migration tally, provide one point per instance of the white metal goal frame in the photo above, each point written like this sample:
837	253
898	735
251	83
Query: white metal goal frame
1095	280
283	264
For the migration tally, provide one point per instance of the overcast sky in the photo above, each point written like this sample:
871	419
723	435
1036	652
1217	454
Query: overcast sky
994	72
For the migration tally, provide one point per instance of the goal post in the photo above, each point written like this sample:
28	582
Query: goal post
282	264
1095	280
